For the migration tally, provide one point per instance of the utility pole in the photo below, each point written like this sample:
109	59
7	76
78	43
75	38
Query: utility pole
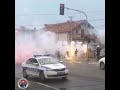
70	17
59	28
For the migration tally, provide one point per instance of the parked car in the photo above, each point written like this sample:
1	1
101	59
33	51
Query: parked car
102	63
44	67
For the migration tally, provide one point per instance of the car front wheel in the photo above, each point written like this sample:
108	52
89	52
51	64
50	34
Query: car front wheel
102	66
25	74
42	77
64	78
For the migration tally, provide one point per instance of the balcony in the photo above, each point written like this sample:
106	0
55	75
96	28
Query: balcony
77	37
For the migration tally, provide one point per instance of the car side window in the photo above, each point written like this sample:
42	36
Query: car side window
42	61
28	61
31	61
34	60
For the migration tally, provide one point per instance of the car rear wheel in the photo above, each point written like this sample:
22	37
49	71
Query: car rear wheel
42	77
102	66
25	74
64	78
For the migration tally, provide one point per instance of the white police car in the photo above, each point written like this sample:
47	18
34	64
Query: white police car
45	67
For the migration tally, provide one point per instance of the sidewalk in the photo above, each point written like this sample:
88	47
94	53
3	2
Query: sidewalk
91	60
87	61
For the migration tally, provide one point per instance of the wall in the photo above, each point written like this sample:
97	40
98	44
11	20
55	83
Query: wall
85	29
80	36
62	37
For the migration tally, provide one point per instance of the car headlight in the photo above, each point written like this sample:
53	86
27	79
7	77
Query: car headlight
48	69
66	68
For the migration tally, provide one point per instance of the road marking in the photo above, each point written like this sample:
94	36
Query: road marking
47	86
93	63
42	84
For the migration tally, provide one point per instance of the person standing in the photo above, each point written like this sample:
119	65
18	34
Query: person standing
76	51
58	54
98	52
67	53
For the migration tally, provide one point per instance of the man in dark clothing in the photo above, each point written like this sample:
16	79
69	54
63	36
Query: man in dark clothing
76	51
67	52
98	52
58	55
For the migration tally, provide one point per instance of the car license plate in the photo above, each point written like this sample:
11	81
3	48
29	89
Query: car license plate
61	73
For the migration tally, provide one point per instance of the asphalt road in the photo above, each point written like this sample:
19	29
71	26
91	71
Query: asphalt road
82	76
34	86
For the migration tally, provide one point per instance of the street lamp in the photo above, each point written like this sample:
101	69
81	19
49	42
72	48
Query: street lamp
78	11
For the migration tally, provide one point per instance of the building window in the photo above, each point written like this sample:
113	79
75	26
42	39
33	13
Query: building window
82	33
77	31
74	32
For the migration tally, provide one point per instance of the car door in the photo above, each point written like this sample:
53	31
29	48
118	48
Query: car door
31	67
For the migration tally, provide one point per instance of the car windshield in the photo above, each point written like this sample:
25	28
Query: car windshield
48	61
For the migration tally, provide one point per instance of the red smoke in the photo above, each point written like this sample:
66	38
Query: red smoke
21	56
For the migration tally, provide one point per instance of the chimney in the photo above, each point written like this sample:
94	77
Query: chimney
68	21
45	25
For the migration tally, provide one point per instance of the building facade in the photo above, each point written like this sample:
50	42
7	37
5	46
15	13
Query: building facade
71	31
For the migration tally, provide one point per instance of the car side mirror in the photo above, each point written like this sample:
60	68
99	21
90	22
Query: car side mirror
36	64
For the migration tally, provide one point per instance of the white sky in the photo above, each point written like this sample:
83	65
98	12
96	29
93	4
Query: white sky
36	13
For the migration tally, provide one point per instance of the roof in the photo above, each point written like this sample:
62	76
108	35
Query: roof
65	27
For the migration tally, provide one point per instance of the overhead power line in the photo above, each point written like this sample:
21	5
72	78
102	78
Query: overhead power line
34	14
100	26
55	14
43	25
29	25
95	12
96	20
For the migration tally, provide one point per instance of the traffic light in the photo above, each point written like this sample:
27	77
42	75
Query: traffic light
61	9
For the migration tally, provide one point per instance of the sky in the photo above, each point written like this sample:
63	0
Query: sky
36	13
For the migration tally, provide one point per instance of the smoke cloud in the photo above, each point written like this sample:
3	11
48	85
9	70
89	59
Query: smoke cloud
100	33
28	44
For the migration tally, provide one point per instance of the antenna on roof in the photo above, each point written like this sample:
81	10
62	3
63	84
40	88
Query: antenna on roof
70	18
